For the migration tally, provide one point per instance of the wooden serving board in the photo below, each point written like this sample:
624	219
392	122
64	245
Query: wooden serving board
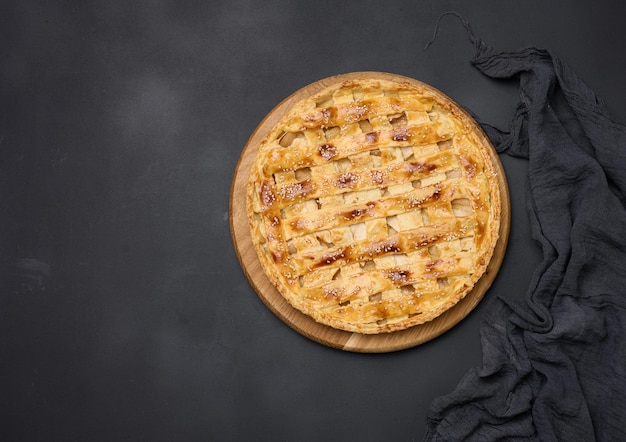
356	342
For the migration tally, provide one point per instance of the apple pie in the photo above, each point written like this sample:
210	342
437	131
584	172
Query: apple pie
374	205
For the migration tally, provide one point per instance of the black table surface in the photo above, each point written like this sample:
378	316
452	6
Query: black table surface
124	312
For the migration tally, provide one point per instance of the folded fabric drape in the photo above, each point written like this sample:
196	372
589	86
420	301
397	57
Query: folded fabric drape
554	362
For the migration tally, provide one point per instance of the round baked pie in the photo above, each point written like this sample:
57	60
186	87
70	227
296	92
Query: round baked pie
374	205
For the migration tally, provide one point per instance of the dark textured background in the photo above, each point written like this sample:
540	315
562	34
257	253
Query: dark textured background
124	313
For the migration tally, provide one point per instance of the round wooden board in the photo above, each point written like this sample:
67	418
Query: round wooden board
356	342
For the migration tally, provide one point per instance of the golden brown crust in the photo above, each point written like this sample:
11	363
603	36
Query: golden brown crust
374	205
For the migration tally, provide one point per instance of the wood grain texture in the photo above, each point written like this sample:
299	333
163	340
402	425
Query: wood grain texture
356	342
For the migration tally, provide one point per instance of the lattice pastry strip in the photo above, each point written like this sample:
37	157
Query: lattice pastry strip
304	221
373	205
358	172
